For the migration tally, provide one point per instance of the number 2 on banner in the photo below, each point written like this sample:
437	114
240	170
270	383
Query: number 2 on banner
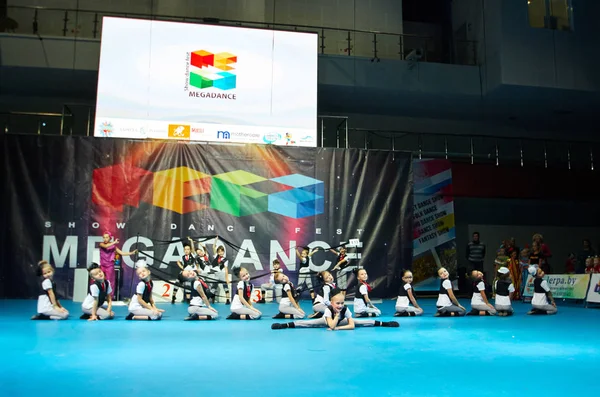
256	295
167	289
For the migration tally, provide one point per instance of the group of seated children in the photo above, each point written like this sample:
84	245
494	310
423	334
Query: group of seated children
98	303
448	305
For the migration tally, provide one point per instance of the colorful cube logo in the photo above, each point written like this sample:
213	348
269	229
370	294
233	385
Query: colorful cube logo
185	190
212	70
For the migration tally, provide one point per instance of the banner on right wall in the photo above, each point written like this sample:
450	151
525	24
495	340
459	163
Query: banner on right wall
434	231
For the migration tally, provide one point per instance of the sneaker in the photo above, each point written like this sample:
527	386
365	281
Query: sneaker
129	316
84	316
401	314
277	326
391	324
192	317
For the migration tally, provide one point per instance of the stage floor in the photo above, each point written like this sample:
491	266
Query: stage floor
477	356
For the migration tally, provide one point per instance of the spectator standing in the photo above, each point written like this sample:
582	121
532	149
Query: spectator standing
476	252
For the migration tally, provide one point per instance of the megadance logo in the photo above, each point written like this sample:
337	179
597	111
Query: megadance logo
185	190
208	70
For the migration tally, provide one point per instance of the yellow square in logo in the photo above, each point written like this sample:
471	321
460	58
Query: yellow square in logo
179	131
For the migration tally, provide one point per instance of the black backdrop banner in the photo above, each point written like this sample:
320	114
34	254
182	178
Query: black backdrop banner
62	193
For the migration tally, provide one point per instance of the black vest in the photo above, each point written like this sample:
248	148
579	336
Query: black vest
102	288
537	286
403	291
339	258
320	291
476	290
189	262
502	287
216	263
195	291
292	289
45	292
342	313
304	262
247	291
358	294
147	291
443	291
201	262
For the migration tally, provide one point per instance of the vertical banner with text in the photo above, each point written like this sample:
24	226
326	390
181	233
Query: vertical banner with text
434	231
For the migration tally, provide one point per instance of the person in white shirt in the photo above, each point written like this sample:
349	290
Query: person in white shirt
141	306
504	292
288	307
48	306
271	285
200	308
542	301
100	292
322	294
337	317
447	304
241	305
304	274
405	296
363	307
480	306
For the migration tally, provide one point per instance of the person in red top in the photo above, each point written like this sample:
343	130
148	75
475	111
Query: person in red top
546	253
596	264
589	265
570	265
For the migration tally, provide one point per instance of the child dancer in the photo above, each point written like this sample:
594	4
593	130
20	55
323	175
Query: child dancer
142	305
480	306
241	307
323	294
514	268
505	292
362	304
403	307
220	264
189	263
203	267
341	266
447	304
288	307
304	277
99	293
542	301
271	284
500	261
337	317
199	308
48	306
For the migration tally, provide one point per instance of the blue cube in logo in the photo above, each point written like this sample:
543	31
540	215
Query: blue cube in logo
305	199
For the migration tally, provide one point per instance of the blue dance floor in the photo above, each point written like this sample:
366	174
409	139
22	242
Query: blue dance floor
472	356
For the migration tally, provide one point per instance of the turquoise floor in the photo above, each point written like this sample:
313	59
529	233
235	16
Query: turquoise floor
426	356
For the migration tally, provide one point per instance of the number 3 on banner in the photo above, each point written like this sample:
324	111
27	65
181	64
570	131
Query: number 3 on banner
167	289
256	295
